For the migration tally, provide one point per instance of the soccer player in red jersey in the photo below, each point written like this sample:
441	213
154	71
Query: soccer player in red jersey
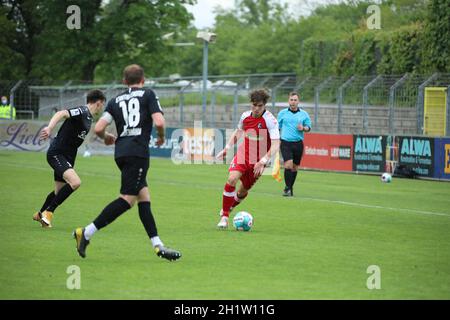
261	141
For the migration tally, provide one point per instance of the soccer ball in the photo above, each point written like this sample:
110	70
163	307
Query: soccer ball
386	177
243	221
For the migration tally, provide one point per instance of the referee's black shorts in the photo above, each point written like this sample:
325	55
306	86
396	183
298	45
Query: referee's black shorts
60	163
292	151
134	174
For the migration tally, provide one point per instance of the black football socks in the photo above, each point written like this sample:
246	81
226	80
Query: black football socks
62	195
47	202
147	219
289	178
111	212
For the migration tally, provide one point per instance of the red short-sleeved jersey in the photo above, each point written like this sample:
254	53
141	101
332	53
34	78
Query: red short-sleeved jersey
257	135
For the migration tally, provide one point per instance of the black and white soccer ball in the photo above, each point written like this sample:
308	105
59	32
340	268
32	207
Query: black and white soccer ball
386	177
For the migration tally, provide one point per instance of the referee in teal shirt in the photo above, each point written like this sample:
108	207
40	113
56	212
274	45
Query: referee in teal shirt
293	122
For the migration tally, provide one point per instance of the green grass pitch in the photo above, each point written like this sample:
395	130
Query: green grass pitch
317	245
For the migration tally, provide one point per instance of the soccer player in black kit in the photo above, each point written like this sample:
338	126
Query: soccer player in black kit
63	150
134	113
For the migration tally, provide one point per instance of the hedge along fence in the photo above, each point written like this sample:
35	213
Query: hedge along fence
369	52
403	50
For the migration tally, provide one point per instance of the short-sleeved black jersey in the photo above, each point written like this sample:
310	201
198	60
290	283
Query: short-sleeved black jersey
132	113
72	132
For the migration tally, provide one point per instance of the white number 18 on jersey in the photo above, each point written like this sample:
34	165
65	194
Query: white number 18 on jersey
131	116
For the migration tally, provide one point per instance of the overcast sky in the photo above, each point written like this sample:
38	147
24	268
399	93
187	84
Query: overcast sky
204	16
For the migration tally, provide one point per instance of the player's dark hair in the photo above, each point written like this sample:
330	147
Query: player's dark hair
133	74
294	93
259	95
94	95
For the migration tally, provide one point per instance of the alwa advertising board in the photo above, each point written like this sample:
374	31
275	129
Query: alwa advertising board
369	153
417	153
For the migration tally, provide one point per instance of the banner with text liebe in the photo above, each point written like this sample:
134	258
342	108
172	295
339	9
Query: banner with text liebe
428	156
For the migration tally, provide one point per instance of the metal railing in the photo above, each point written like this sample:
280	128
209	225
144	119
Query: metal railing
382	104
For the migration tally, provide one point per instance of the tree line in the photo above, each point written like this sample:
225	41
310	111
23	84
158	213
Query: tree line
257	36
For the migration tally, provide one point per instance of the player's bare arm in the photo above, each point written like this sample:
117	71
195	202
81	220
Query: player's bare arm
100	131
260	165
237	134
46	132
159	121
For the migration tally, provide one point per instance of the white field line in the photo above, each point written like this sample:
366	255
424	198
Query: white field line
362	205
345	203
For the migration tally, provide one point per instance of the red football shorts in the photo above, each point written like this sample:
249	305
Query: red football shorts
248	177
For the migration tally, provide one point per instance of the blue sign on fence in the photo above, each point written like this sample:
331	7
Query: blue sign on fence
442	158
172	144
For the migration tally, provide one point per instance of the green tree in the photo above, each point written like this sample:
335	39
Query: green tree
256	12
12	64
185	60
113	33
232	34
436	56
21	22
405	49
134	33
253	38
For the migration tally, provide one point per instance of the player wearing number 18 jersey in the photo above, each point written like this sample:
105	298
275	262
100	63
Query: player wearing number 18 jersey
134	113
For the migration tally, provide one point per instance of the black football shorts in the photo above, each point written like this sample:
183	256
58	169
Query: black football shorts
60	163
292	151
134	174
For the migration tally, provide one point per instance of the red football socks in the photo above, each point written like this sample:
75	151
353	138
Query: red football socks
229	192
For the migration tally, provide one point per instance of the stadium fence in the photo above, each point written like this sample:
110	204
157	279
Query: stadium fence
380	104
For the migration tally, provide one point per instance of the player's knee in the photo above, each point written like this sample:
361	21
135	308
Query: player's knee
232	181
288	165
75	184
131	201
242	194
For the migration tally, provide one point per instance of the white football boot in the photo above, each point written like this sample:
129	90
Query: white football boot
223	223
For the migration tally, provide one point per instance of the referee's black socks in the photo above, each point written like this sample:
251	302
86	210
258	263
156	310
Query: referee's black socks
289	178
111	212
294	176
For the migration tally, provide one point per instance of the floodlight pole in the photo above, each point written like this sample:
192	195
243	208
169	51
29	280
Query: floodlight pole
206	37
205	78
